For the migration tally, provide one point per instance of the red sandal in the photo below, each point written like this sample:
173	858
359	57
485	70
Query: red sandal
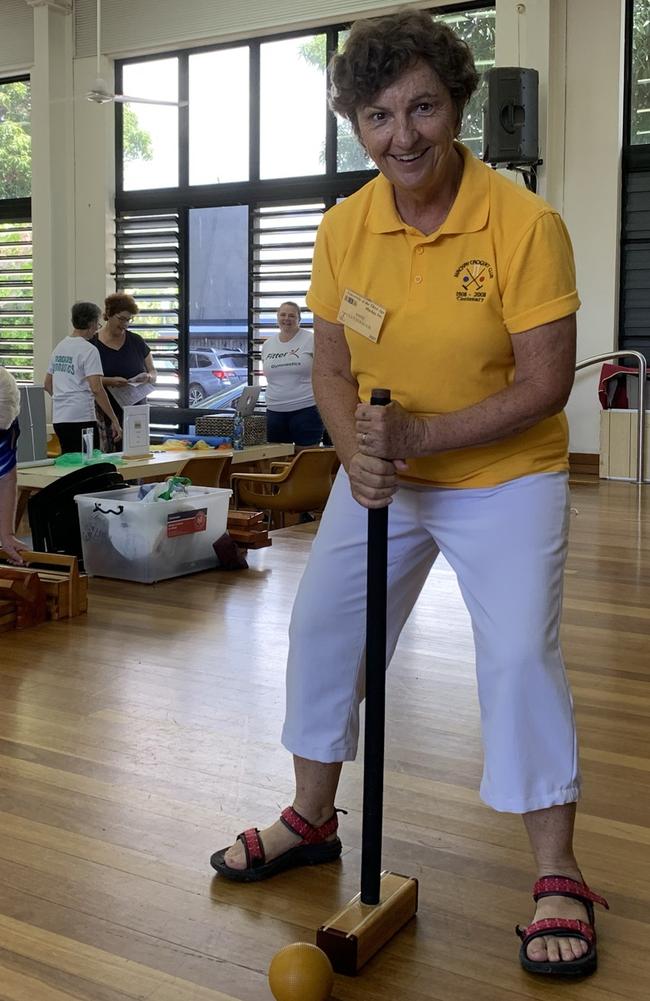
312	850
562	886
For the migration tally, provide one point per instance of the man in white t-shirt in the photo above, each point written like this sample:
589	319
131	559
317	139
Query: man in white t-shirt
74	380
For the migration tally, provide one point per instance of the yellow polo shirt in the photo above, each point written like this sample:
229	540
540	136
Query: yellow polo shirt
500	264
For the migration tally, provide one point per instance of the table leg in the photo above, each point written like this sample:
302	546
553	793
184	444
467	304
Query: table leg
23	495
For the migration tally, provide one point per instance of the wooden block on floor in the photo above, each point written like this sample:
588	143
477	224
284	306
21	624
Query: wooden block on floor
354	935
7	616
251	539
25	591
64	588
244	519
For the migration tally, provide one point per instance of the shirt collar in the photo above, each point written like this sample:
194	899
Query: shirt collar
468	213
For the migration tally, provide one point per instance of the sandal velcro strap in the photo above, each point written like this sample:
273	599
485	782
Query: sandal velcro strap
310	835
562	886
557	926
255	855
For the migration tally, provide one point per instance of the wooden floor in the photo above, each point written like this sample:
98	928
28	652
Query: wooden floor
137	739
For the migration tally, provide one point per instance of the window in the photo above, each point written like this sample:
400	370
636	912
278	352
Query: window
219	98
640	73
15	139
16	276
283	249
148	269
246	166
17	300
350	154
293	108
218	277
477	28
634	298
150	131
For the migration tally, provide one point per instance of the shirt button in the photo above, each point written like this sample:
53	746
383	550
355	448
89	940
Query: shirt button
419	250
418	279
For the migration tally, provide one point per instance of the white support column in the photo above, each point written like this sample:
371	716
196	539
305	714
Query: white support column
594	131
94	185
52	177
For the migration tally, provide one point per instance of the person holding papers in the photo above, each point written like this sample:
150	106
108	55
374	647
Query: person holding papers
129	373
74	381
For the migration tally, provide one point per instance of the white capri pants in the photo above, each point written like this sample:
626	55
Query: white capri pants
507	545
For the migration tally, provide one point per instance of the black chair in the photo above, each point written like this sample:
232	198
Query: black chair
53	514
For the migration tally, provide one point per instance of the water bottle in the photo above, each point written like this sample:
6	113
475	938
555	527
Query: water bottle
87	442
238	432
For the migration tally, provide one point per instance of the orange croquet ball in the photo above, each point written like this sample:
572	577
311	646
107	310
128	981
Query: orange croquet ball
301	972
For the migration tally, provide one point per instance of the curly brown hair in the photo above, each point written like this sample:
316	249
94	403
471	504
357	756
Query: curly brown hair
379	50
117	302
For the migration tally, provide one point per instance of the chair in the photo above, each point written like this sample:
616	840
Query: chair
302	485
53	446
208	472
53	514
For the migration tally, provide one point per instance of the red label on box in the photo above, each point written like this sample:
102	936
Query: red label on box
187	522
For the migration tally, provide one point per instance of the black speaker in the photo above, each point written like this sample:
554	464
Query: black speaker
510	116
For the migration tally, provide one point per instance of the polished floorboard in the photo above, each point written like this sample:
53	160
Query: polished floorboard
138	738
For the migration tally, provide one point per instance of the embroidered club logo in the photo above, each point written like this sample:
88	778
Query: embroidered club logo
473	278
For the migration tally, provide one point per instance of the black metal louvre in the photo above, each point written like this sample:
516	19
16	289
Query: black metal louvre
17	300
634	296
148	268
282	248
634	327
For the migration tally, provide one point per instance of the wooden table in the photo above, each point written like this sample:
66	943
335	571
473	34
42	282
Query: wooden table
160	464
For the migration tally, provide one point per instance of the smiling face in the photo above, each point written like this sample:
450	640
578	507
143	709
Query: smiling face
288	320
119	322
409	130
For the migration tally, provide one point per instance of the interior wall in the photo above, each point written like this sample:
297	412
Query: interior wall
135	26
53	190
592	179
94	179
16	36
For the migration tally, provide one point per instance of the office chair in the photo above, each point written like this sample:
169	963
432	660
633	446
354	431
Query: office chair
303	484
208	472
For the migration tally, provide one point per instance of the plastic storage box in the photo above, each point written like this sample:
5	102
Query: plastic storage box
130	539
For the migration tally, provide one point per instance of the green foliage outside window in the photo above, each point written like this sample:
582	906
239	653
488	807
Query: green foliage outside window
137	143
15	140
640	77
477	28
16	300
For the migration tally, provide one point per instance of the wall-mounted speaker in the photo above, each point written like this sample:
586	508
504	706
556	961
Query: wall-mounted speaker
510	116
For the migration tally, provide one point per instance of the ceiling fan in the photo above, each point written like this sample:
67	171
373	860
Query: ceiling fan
100	92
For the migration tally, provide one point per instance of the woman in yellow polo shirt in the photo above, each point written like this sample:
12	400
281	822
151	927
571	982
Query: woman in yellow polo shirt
455	288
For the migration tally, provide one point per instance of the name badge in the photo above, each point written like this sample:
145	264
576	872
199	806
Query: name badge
362	315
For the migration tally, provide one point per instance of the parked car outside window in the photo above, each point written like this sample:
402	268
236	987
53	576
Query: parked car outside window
226	400
210	371
237	361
